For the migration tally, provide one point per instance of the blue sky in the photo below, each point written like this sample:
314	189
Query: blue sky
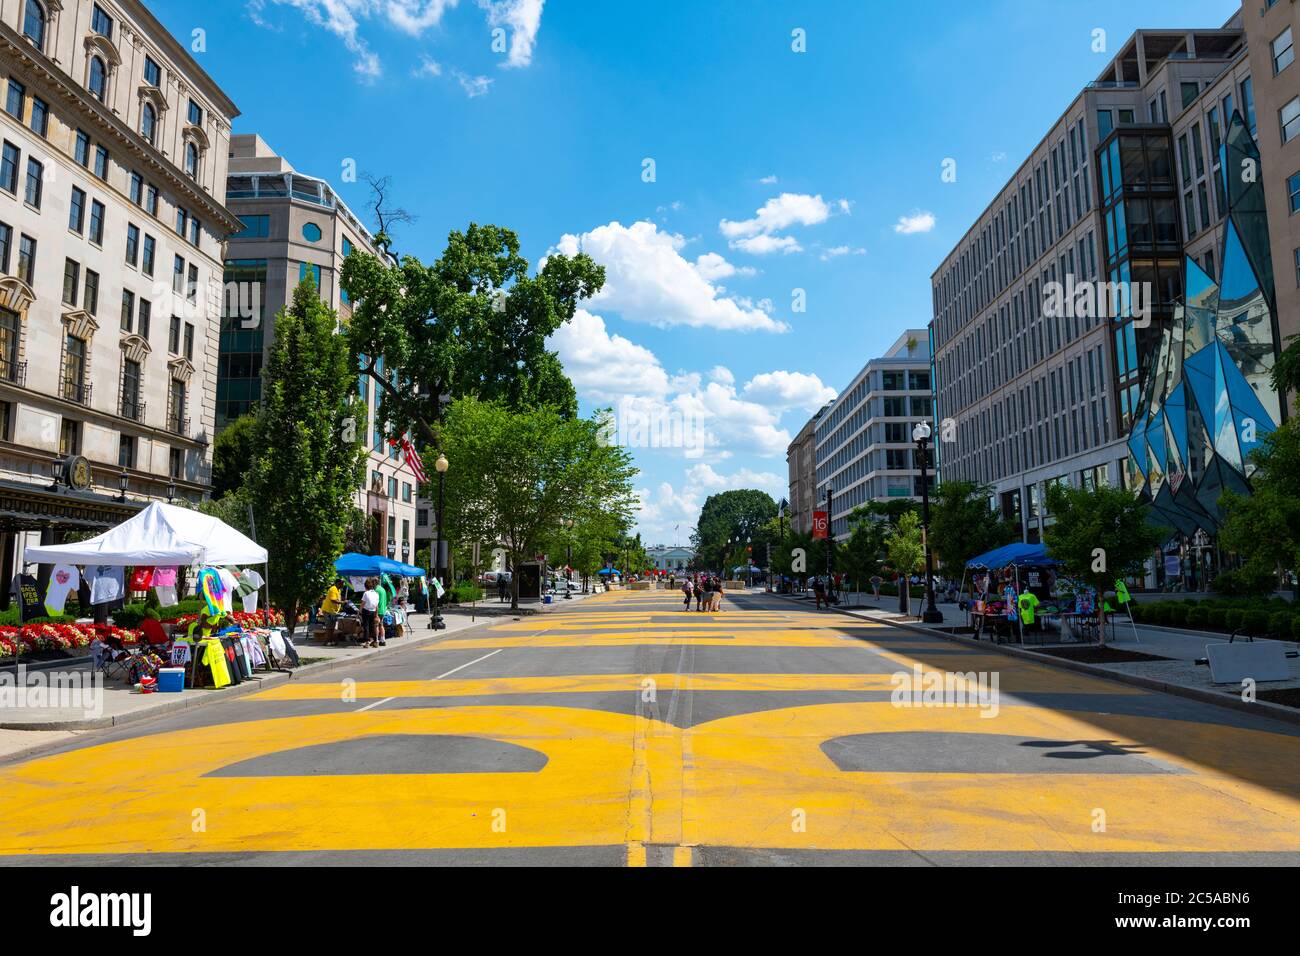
773	170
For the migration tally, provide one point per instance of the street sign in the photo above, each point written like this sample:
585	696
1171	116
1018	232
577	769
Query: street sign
820	524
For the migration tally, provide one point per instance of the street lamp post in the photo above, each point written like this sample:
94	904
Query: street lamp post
921	435
441	466
123	482
830	539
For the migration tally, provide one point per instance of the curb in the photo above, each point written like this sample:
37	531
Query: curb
264	681
1260	708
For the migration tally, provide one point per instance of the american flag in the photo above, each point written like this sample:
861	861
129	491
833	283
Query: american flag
413	459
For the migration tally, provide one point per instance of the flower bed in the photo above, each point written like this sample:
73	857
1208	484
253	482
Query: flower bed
52	640
263	618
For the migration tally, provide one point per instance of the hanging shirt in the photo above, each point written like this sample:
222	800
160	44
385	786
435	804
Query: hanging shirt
105	584
141	579
209	587
164	585
63	579
1028	607
214	656
26	589
249	582
229	584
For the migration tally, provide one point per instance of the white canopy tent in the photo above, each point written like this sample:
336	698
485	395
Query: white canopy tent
159	535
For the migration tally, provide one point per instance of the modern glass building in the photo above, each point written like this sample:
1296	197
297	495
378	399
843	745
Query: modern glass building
1208	400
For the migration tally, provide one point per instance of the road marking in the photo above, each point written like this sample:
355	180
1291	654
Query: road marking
636	854
463	666
683	856
375	704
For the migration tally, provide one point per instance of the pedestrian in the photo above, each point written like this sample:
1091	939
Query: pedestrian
876	581
715	596
501	587
701	590
331	606
819	593
370	613
686	589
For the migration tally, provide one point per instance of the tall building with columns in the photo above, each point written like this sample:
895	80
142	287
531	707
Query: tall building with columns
113	152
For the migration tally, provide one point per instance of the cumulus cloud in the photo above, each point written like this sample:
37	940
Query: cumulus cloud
919	221
522	18
648	280
836	251
427	67
473	85
606	367
788	390
713	266
768	180
758	234
668	512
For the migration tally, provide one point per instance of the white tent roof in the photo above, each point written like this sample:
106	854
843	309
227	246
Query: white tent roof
160	535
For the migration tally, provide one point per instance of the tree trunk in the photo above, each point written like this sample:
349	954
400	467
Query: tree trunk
904	596
514	584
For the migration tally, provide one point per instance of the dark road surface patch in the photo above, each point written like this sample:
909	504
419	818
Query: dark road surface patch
1096	654
392	754
921	752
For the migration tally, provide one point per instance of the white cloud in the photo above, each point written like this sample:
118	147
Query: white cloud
836	251
473	85
605	367
647	280
788	390
523	18
704	476
768	180
668	512
720	373
786	210
762	245
919	221
713	266
427	67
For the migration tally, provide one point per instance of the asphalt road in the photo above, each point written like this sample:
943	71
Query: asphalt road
624	731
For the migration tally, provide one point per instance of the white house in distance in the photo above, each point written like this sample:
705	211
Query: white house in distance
664	558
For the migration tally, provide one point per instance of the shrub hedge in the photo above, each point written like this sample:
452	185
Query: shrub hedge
1274	617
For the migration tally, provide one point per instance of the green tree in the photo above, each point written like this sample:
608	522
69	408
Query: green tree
906	550
1265	526
1100	534
514	475
727	521
474	323
232	452
962	525
307	456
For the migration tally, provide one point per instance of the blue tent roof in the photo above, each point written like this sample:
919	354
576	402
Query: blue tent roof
352	564
1012	555
609	571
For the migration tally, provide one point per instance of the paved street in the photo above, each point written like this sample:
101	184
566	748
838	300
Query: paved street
623	731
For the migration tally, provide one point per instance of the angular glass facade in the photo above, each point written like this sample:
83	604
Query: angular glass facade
1207	399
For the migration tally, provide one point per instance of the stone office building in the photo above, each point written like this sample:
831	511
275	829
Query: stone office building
113	166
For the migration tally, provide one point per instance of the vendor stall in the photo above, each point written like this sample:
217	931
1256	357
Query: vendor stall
355	569
157	542
1010	592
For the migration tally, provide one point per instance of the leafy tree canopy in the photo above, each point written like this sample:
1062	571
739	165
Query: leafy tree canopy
1100	534
962	525
730	517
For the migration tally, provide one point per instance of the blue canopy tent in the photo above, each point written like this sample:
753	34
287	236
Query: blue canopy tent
1012	556
605	572
366	565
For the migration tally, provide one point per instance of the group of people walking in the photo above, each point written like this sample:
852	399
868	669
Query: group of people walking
707	593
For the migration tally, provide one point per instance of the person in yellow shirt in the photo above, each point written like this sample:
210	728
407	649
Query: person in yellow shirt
331	607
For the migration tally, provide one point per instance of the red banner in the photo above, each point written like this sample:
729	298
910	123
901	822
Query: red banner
819	525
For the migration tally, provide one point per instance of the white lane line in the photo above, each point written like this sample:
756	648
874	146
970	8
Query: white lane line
439	677
474	661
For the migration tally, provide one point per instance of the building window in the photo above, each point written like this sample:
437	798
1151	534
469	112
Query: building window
131	390
9	168
74	369
132	243
14	100
1248	103
1105	123
151	200
82	151
101	22
195	227
182	218
27	259
137	189
70	438
101	163
392	488
97	222
175	462
143	317
189	341
1297	267
126	452
6	244
1188	91
195	114
35	177
1290	116
148	122
147	255
128	310
255	227
40	116
90	300
406	491
152	72
10	328
34	23
176	416
178	275
77	211
311	232
1283	52
192	284
192	160
71	282
98	81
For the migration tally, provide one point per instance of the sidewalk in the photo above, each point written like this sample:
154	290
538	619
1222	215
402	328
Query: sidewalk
24	728
1178	675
